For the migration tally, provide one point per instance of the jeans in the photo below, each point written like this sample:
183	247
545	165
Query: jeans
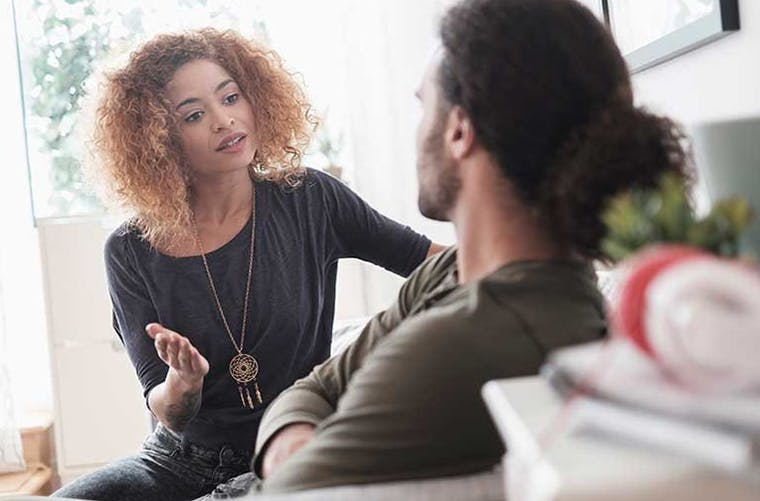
167	468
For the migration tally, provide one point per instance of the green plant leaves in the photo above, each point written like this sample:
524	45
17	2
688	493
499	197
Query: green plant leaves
642	217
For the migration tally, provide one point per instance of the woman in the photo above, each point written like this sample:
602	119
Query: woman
230	261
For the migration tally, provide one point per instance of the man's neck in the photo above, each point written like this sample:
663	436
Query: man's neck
494	228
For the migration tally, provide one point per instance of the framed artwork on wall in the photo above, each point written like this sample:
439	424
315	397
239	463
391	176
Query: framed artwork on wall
650	32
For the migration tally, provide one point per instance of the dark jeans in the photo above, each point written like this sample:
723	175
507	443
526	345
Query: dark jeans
167	469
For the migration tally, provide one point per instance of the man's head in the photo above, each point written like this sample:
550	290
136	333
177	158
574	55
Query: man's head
530	102
513	77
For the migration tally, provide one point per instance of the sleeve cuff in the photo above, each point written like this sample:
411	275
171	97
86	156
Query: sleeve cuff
293	406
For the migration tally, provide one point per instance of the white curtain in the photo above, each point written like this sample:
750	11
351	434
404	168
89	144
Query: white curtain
362	61
11	455
387	45
23	352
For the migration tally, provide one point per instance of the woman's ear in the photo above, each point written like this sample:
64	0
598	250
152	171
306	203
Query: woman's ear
460	133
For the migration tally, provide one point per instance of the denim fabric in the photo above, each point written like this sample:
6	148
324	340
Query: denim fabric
167	468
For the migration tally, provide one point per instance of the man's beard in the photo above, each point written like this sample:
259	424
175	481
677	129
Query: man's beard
439	183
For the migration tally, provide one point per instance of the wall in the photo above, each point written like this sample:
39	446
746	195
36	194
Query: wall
720	80
716	82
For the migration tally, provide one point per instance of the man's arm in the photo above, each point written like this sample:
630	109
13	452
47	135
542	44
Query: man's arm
284	427
312	399
414	408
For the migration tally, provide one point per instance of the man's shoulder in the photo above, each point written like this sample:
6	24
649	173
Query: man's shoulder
456	334
467	311
502	306
431	274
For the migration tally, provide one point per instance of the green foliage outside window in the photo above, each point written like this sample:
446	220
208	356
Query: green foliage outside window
60	61
62	42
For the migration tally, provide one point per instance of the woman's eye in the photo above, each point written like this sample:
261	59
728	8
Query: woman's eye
231	99
194	117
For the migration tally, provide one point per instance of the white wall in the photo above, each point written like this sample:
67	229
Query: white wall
22	299
720	80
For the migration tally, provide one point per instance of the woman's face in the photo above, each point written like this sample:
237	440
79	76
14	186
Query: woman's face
217	127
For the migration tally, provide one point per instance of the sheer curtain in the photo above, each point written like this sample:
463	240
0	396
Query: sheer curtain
11	455
23	344
361	62
387	45
10	441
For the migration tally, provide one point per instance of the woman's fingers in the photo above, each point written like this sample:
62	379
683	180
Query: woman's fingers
161	345
184	355
172	350
170	346
154	329
177	351
198	362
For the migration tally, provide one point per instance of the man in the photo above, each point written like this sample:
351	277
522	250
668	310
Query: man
516	148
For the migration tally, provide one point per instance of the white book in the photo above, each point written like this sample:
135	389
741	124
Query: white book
729	450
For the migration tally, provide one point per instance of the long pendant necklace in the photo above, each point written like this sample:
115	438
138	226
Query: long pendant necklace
244	368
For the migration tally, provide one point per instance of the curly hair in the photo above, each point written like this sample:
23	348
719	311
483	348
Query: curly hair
135	139
550	98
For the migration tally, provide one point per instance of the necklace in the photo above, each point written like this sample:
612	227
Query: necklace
243	368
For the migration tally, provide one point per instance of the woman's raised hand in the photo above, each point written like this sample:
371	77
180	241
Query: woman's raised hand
178	353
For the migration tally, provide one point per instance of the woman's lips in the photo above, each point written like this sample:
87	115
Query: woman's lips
232	145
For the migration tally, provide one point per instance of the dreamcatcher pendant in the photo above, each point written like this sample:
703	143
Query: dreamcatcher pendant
244	369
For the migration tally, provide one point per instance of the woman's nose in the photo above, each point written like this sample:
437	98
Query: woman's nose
222	122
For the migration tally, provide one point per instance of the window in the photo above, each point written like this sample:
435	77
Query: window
63	43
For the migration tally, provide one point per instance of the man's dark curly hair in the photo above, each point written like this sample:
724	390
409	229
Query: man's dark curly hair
550	98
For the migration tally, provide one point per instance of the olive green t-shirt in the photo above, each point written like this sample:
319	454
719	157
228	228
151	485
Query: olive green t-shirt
403	401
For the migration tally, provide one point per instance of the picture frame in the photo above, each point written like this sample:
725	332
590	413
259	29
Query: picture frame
650	32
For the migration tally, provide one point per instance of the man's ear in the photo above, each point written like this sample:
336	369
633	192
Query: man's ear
460	133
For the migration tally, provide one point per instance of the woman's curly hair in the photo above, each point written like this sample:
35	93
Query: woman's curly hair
136	144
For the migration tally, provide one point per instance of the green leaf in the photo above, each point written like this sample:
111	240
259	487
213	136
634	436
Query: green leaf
638	218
